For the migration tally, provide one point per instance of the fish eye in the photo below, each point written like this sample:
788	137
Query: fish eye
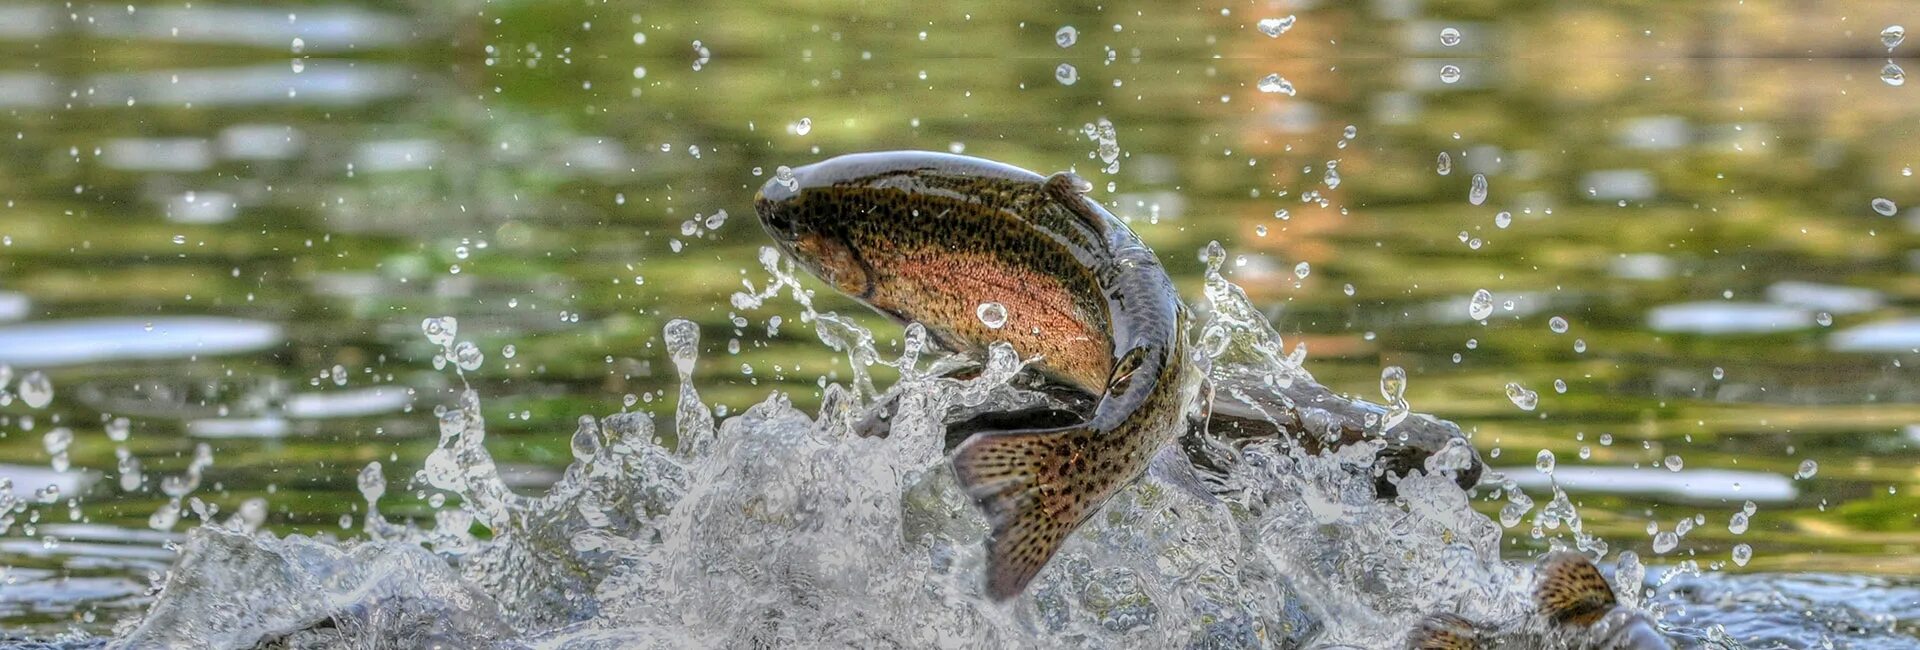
777	220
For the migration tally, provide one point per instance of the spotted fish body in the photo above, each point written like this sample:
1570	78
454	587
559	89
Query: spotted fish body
928	238
1576	606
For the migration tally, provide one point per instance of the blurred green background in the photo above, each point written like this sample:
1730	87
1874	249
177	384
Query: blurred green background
1691	187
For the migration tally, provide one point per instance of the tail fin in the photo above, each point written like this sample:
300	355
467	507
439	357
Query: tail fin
1572	591
1035	488
1443	632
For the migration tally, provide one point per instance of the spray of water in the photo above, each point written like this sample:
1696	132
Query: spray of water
776	528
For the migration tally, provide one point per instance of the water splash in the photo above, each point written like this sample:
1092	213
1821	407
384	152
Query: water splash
775	528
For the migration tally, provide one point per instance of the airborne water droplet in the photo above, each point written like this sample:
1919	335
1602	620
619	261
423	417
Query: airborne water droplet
1274	27
1885	207
372	483
1808	468
1066	74
440	331
1544	462
1892	36
1477	192
1665	541
1521	397
1557	324
1444	165
1742	554
1481	306
1274	83
1301	270
1893	75
1449	37
36	390
1449	74
1066	36
1503	220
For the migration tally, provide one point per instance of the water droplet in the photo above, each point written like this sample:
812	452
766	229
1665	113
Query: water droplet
1444	165
298	45
1580	346
1274	83
1560	386
468	356
1808	468
1393	384
179	240
1665	541
1503	220
1301	270
683	344
440	331
1557	324
1348	289
1742	554
1521	397
36	390
119	429
717	220
1544	462
1885	207
1892	36
1824	319
1674	463
1066	36
1481	306
993	314
804	126
299	66
1351	132
1449	74
1274	27
1066	74
586	439
508	351
1477	192
1738	523
1449	37
1893	75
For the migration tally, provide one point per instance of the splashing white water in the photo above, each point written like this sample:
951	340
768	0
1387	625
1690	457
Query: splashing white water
774	528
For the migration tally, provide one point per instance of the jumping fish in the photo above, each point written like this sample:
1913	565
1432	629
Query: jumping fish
1576	608
976	252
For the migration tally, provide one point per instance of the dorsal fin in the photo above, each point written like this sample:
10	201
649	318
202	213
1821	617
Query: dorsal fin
1070	190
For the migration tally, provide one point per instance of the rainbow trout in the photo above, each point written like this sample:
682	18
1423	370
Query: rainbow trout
933	238
1575	608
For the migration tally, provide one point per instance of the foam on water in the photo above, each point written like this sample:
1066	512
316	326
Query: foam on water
777	528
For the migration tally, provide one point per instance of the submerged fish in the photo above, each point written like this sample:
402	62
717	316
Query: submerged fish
934	238
1576	609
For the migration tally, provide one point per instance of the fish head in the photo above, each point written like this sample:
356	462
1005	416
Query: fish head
812	212
792	217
